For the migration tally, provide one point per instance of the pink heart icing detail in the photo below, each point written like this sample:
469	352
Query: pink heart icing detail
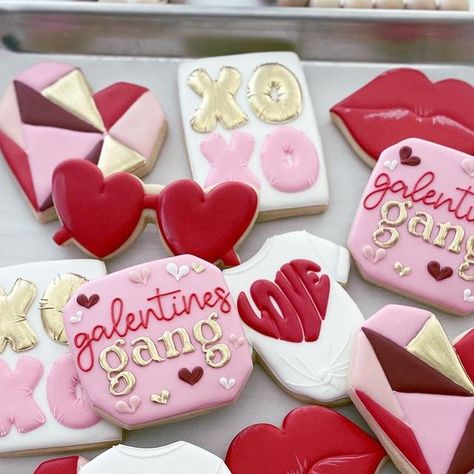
142	276
374	255
236	341
468	166
128	408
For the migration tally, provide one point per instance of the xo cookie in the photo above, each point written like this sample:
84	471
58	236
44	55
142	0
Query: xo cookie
312	440
413	232
298	319
176	458
249	118
207	223
158	342
69	465
378	115
43	407
49	114
414	388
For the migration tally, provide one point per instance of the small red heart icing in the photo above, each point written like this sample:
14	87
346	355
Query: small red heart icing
438	273
87	302
312	440
191	377
207	225
100	213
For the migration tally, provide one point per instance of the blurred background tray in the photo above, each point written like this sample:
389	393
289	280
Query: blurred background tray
341	50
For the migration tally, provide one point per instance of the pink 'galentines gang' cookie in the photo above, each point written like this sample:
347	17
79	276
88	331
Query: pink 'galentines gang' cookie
312	440
156	342
413	230
249	118
103	215
49	114
404	103
297	317
42	403
415	389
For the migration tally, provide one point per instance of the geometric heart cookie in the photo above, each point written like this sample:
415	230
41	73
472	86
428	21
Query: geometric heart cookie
416	390
43	407
296	315
413	232
249	118
49	114
312	440
156	342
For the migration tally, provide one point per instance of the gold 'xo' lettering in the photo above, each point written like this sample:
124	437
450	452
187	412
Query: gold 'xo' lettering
387	225
117	375
468	261
218	100
14	327
274	94
210	352
52	304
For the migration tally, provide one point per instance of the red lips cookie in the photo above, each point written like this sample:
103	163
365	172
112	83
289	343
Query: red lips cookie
48	115
69	465
404	103
104	215
312	440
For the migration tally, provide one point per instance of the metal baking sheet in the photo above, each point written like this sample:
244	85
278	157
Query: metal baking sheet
147	49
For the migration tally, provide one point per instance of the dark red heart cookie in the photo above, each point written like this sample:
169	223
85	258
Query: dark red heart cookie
100	214
208	225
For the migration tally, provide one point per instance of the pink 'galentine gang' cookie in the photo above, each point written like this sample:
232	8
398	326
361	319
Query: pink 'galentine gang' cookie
415	390
49	114
413	230
155	343
312	440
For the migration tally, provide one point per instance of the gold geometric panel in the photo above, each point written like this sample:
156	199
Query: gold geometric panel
73	94
433	347
117	157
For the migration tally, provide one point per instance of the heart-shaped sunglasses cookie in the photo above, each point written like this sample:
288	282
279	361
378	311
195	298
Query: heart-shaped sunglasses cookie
103	215
415	390
49	114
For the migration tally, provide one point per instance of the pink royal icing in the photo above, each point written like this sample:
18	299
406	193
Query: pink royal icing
418	207
66	399
289	159
156	343
229	162
17	404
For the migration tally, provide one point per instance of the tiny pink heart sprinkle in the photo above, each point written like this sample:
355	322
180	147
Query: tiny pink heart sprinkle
236	341
374	256
468	166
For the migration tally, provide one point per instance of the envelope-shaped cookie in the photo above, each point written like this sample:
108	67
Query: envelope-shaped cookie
49	114
415	390
42	404
413	230
156	342
249	118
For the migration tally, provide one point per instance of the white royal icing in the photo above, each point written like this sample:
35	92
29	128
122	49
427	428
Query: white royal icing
315	370
271	199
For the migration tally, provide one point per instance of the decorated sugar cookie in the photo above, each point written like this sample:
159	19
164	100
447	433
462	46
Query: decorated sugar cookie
103	215
176	458
298	319
49	114
42	404
379	115
412	231
311	440
69	465
249	118
158	342
415	390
